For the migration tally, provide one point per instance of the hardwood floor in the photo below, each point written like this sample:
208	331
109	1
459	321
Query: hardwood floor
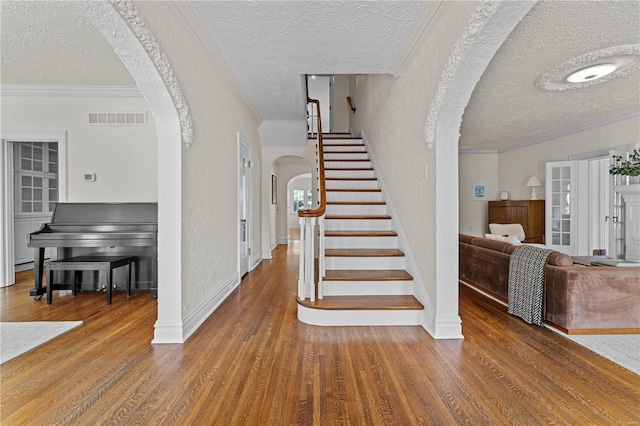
253	363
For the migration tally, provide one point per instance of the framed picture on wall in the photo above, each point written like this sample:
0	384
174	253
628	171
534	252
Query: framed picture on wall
479	191
274	189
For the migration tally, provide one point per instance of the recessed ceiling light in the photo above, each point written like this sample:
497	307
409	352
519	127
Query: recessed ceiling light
591	73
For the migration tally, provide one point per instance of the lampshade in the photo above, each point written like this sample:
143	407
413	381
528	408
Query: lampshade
534	181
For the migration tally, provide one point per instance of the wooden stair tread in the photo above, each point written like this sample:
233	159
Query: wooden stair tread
344	152
351	179
363	253
349	169
326	160
358	217
367	275
360	234
356	203
394	302
354	190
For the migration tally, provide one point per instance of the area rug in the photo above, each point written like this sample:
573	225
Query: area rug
623	349
17	338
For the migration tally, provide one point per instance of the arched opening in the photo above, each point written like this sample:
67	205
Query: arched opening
488	28
169	325
299	197
286	169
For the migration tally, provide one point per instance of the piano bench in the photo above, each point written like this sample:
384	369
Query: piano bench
87	263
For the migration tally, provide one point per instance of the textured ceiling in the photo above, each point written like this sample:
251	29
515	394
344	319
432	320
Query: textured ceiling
507	108
270	44
53	43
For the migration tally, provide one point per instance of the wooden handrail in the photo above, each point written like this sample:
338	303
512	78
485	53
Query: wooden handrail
323	193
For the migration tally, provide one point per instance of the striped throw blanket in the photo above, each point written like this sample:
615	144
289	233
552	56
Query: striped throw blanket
526	282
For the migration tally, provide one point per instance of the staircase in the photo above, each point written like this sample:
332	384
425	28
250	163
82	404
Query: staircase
365	282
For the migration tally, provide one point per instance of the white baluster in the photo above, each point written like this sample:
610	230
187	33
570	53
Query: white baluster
321	257
310	259
303	246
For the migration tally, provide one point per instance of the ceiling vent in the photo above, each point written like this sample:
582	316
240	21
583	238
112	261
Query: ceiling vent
118	118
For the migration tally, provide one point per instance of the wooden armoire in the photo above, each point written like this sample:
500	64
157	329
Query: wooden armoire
528	213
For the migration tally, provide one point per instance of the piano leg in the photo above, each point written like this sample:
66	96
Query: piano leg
39	290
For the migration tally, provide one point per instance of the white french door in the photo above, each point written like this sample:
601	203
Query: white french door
560	205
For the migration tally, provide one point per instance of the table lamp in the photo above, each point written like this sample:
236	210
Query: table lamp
533	182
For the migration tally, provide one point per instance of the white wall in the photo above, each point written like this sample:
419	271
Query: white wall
340	107
474	169
210	167
516	166
392	112
124	157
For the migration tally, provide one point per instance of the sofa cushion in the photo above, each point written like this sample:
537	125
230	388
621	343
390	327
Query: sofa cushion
465	238
508	229
507	239
500	246
559	259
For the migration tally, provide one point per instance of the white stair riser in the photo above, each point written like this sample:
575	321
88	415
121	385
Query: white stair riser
343	148
357	224
361	242
346	156
347	164
364	288
356	209
349	173
359	318
352	184
353	196
340	141
363	263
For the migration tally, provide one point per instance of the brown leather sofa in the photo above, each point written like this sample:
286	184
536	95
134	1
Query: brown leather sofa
578	299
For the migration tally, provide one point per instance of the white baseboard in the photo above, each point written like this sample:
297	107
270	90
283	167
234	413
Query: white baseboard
195	319
282	241
255	261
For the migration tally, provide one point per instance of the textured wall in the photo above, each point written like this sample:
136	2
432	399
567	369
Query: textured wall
477	168
209	206
392	112
516	166
124	158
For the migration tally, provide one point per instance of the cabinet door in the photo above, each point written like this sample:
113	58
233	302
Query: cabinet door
561	215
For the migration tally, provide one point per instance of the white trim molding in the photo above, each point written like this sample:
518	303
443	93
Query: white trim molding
196	317
568	132
428	20
70	91
136	24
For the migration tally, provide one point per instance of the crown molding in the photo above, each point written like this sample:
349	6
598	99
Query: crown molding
75	91
431	15
193	24
552	136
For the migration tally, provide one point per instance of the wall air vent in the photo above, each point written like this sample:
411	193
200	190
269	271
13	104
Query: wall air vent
118	118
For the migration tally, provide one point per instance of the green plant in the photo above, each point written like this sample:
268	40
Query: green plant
630	167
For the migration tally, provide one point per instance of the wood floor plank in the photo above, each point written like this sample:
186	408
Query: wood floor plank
253	363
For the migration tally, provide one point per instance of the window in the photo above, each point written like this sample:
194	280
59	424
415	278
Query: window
301	199
36	177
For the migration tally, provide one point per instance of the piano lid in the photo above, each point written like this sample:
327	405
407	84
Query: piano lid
93	213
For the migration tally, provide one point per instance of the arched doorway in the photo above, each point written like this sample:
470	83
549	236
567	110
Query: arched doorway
127	45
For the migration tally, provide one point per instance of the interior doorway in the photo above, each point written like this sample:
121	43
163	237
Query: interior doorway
11	140
244	205
320	87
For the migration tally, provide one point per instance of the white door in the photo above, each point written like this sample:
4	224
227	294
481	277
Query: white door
560	206
244	205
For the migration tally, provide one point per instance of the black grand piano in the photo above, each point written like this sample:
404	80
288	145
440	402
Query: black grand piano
101	229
